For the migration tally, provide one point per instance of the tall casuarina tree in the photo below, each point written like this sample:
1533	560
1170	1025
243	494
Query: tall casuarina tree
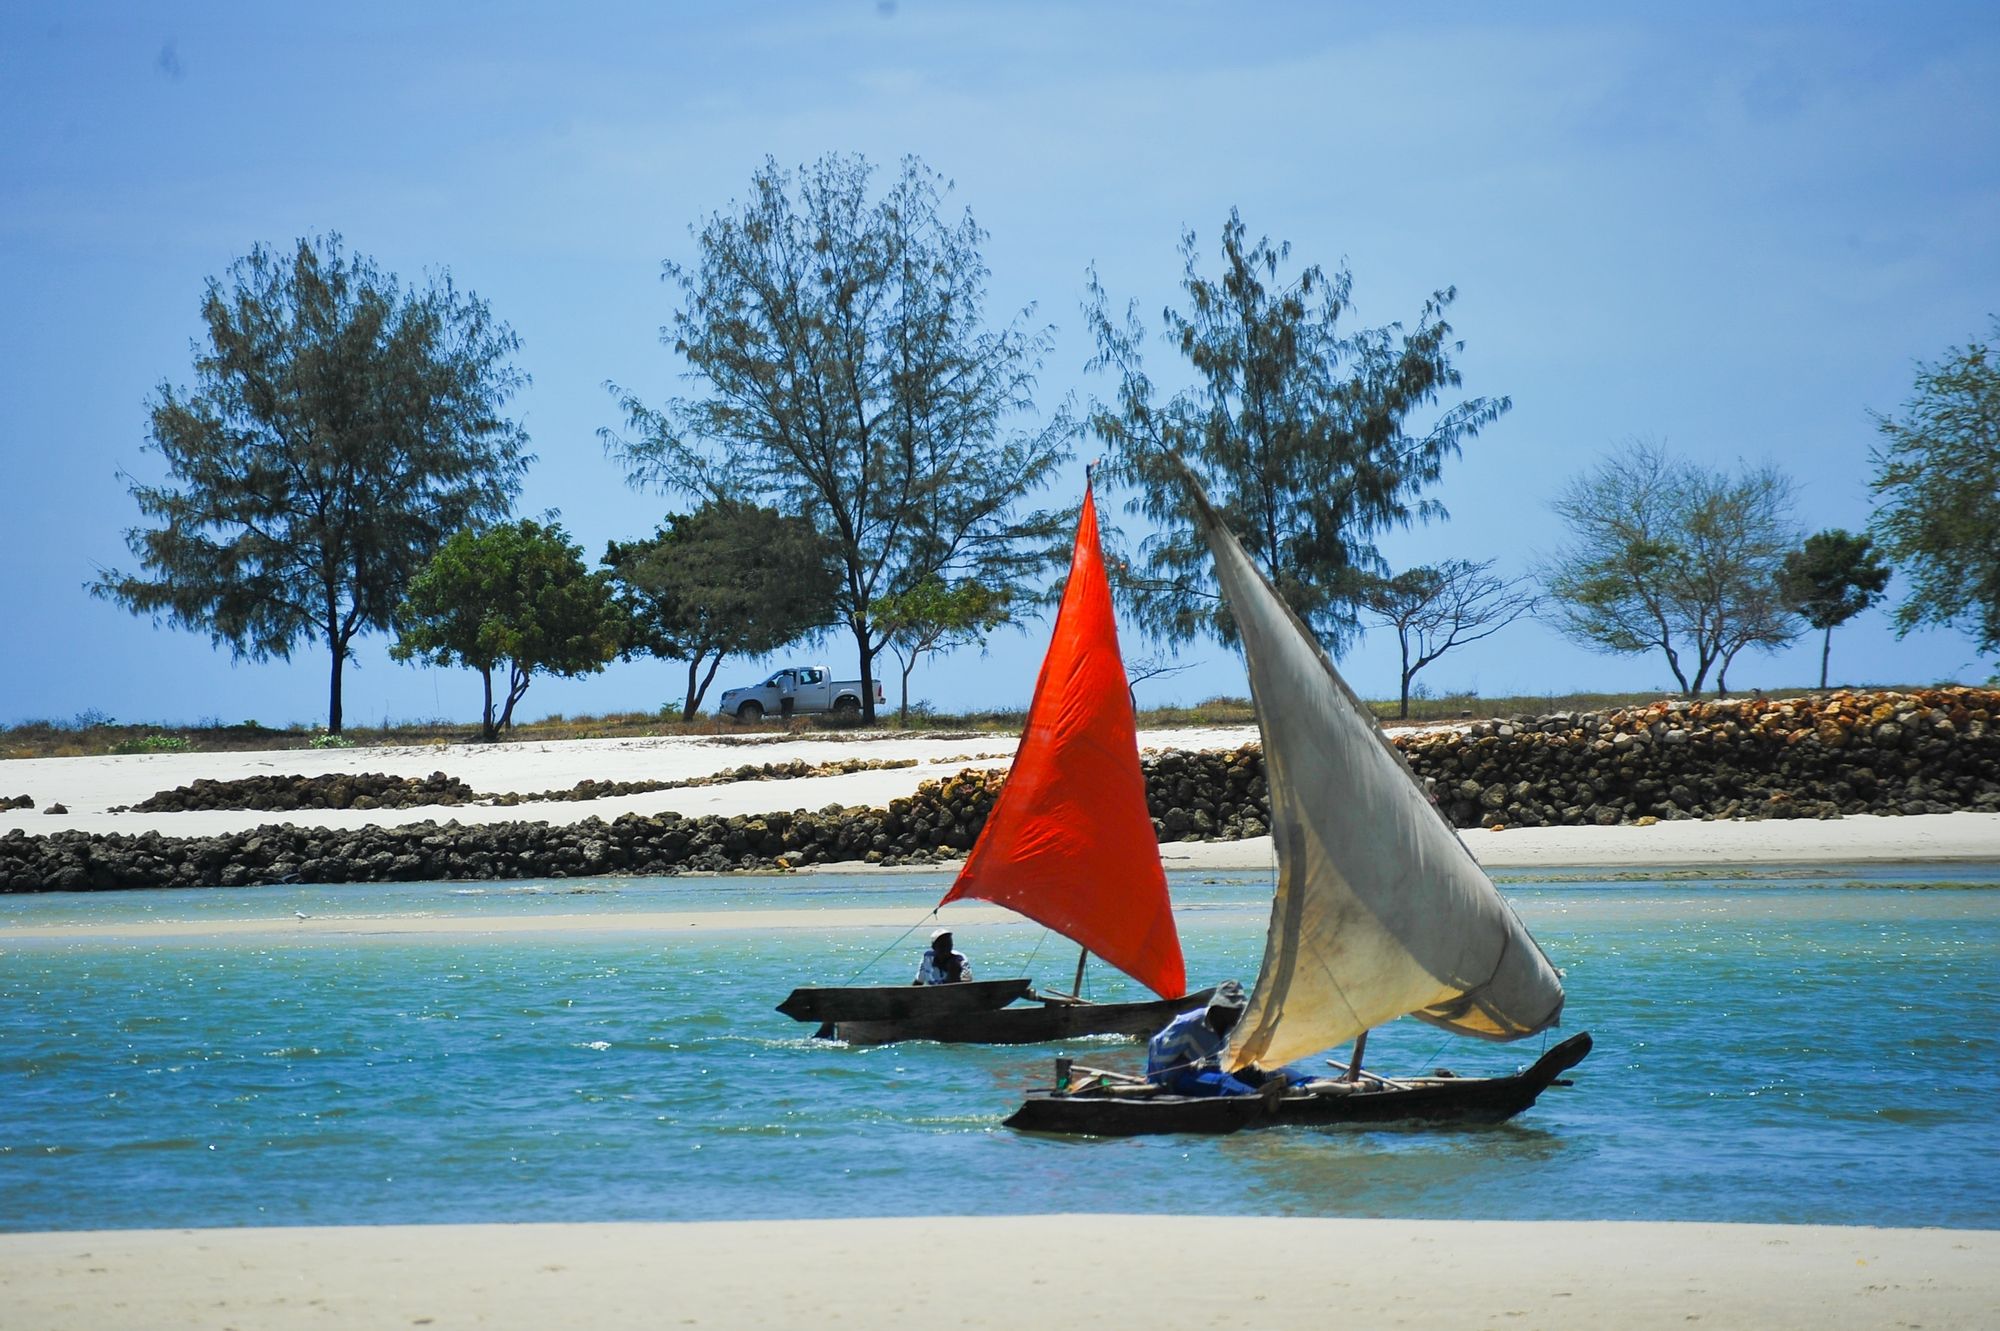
1311	438
1937	471
339	429
846	374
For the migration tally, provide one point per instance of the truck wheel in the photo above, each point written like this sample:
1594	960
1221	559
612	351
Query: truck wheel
847	708
750	713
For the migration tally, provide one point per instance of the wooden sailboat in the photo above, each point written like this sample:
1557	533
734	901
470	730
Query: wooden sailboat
1069	843
1380	911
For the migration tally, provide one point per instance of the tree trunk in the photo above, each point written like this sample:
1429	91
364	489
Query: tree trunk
1403	703
517	684
690	701
486	730
867	671
1825	650
333	689
1722	664
903	712
708	679
1674	664
337	637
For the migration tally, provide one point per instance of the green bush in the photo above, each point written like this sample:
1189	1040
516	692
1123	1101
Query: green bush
324	739
153	744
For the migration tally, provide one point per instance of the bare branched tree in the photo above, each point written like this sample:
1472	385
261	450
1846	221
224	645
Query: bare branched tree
1667	555
1160	665
1435	608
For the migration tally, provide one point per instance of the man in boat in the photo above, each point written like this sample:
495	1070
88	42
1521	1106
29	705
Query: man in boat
941	965
1186	1056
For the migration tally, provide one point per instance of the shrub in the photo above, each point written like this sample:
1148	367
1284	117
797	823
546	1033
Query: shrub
153	744
326	739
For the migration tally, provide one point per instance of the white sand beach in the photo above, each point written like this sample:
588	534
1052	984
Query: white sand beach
1156	1272
90	787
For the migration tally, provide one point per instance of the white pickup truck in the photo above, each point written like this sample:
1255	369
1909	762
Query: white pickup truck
813	689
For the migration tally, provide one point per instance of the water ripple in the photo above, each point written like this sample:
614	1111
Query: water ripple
1774	1050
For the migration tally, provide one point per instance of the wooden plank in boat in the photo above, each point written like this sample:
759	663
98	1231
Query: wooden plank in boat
894	1002
1035	1024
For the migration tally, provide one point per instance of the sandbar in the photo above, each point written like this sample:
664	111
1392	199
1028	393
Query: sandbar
662	923
1162	1273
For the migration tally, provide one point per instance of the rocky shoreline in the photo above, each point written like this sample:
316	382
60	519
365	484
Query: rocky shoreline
1932	751
290	793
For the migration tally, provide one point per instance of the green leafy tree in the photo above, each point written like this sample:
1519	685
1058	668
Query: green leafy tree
1669	556
516	595
340	428
1306	436
849	377
936	616
1830	580
729	579
1937	470
1434	608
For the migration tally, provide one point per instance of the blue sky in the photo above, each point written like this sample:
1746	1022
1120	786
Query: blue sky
1731	228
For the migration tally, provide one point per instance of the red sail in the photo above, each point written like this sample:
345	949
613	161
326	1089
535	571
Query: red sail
1070	842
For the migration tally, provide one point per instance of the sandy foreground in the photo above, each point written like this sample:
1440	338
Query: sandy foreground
90	787
1157	1272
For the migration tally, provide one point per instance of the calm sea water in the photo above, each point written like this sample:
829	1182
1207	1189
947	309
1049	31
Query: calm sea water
1817	1046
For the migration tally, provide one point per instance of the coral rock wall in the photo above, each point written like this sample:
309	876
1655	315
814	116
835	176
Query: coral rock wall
1887	753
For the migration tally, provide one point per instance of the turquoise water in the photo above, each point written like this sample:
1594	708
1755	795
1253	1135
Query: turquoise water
1807	1046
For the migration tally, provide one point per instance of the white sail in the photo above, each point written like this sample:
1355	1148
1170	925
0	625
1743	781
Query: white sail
1380	908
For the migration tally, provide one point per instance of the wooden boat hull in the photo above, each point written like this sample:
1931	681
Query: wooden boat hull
1432	1100
1026	1024
901	1002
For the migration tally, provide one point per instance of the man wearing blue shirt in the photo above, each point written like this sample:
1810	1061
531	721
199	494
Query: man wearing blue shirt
1185	1057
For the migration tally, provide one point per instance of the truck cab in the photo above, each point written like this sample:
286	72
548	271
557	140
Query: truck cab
812	690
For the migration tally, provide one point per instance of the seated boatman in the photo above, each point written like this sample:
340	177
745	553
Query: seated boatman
1185	1057
940	964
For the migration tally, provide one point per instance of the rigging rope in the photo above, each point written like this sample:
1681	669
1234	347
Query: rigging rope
1430	1060
893	946
1029	965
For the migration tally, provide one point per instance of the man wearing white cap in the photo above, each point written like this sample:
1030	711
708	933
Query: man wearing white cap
941	965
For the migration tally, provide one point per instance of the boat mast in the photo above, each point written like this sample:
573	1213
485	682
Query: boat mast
1076	985
1353	1072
